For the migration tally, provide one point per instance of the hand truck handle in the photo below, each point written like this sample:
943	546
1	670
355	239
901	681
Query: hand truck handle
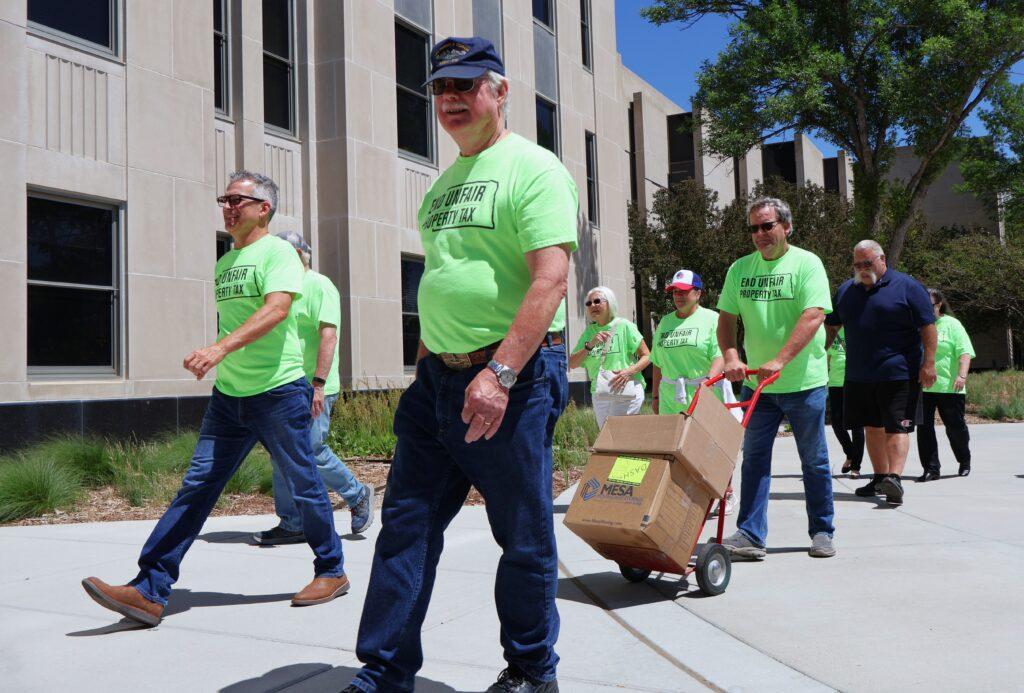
748	404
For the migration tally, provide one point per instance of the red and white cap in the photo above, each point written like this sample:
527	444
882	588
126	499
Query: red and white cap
684	280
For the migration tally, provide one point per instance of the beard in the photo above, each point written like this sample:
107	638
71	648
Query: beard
857	279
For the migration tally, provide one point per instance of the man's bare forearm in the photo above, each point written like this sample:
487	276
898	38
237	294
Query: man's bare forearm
267	317
803	332
930	341
726	334
325	353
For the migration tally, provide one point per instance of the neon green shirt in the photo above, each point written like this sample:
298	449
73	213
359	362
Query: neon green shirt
243	278
953	343
837	360
621	350
684	348
320	303
769	296
477	221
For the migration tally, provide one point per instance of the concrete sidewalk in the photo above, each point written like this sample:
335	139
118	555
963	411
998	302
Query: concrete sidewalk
923	597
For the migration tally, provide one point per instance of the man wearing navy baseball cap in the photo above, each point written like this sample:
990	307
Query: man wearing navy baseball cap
497	228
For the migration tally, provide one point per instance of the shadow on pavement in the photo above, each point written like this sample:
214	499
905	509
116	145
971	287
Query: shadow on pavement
183	600
122	625
787	549
877	501
561	508
227	537
315	678
611	591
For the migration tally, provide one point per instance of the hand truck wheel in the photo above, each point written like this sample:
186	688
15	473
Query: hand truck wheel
634	574
714	568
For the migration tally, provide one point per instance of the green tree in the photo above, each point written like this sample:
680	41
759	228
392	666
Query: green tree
993	166
865	75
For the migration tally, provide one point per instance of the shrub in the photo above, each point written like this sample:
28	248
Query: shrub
361	423
33	486
575	432
997	395
87	457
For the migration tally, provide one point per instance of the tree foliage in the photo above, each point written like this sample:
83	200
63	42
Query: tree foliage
866	75
686	229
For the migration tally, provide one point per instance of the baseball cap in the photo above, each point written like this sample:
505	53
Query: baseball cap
684	280
297	241
466	58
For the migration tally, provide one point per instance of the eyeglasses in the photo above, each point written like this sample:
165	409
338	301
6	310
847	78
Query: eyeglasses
765	226
864	264
236	200
463	85
594	302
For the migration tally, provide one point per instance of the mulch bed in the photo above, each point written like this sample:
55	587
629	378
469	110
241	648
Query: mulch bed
105	505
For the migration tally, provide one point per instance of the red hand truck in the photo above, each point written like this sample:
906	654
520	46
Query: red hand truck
711	562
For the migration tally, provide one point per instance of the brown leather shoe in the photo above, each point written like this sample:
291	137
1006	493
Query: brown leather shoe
125	600
321	591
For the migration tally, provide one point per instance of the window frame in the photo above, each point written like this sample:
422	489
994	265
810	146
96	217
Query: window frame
586	36
591	166
552	11
225	79
557	151
431	159
410	368
118	337
289	62
79	43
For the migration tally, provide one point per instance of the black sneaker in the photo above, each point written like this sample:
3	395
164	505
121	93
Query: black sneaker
278	535
513	680
929	475
870	489
892	487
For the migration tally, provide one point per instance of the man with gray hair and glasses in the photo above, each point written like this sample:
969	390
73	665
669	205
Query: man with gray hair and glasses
890	355
261	395
318	315
781	293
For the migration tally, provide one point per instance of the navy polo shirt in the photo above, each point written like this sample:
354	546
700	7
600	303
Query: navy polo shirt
883	339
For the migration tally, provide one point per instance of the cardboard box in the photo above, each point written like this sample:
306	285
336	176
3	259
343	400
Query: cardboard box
708	442
649	484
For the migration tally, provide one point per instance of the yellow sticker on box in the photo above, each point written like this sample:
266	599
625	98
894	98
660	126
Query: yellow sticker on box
629	470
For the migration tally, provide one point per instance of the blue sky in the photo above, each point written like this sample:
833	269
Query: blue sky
669	58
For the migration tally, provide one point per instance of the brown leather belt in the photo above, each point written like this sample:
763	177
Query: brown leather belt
460	362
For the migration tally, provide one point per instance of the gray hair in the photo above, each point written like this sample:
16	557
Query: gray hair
299	243
868	244
780	207
609	295
262	187
494	80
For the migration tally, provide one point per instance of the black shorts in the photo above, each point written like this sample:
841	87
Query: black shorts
894	405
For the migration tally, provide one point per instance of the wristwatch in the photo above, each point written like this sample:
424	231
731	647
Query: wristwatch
506	376
318	381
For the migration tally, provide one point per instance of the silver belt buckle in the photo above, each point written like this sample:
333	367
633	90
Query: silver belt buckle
457	362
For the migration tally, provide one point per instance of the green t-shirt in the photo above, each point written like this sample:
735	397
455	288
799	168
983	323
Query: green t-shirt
684	348
769	296
953	343
477	221
319	303
621	350
837	360
243	277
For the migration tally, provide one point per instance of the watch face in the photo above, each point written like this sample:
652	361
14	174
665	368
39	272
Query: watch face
507	377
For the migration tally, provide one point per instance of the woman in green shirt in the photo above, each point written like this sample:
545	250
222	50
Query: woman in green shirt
949	393
614	345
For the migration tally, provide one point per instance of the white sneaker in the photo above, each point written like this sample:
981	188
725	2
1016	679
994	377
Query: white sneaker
730	506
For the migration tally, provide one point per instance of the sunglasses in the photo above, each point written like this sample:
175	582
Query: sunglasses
765	226
235	200
463	85
864	264
594	302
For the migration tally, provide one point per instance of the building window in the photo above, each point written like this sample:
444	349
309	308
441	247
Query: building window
412	272
224	244
278	65
547	124
544	13
585	33
415	119
221	58
487	21
89	23
73	296
592	201
682	164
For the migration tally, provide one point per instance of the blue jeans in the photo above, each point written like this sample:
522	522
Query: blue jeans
279	419
430	477
332	470
805	412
